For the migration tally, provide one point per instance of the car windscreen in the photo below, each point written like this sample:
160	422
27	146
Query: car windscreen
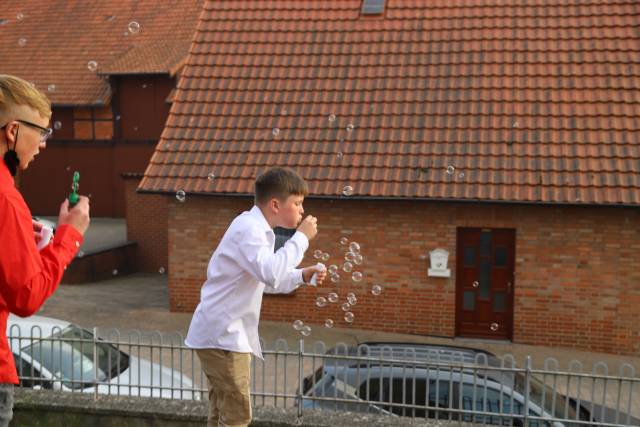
69	356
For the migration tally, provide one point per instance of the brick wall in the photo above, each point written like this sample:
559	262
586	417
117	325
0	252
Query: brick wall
147	225
576	283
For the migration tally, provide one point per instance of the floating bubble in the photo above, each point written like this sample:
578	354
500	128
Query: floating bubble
211	176
347	190
358	259
344	241
356	276
68	168
325	257
51	88
298	324
354	247
345	306
283	112
317	254
494	327
423	256
92	65
22	41
328	323
332	118
349	256
134	27
350	127
57	125
461	175
321	301
332	297
475	284
351	298
347	267
118	117
161	270
335	278
306	330
275	131
376	290
181	196
339	155
115	272
333	269
348	317
450	170
20	16
80	254
515	124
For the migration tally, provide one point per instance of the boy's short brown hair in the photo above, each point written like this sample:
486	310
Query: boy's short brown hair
15	92
279	183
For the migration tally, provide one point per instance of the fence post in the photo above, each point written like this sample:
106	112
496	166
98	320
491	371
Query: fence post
300	376
527	381
95	363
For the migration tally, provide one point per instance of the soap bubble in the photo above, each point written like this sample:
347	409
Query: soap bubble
275	131
20	16
181	196
333	269
350	127
347	190
345	306
335	278
354	247
332	297
133	27
344	241
317	254
347	267
475	284
376	290
325	257
358	259
51	88
161	270
351	298
461	175
328	323
57	125
115	272
450	170
22	41
356	276
321	301
92	65
339	155
298	324
348	317
494	327
211	176
306	330
349	256
332	118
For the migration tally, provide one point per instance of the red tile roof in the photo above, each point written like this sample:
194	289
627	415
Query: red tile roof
62	36
534	102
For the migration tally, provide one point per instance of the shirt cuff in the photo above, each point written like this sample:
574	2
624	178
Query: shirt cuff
69	237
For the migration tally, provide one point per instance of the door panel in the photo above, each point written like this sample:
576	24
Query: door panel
484	282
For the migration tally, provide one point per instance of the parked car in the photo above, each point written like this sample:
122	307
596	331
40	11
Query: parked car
449	381
55	354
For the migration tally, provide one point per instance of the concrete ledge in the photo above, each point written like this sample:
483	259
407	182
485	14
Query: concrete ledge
46	408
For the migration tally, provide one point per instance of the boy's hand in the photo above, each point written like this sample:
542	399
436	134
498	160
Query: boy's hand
309	226
319	270
77	217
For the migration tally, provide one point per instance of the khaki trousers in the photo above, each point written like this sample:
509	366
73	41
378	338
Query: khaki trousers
228	373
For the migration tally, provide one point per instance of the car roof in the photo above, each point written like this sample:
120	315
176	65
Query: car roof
23	326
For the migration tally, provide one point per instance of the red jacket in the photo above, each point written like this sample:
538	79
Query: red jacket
27	276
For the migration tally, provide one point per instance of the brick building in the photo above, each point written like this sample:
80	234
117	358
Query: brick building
109	68
504	134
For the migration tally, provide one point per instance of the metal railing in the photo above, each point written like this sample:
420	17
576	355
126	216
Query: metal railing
390	379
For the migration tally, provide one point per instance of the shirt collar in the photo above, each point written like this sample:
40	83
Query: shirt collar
257	214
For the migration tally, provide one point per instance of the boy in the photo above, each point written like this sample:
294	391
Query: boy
27	276
224	328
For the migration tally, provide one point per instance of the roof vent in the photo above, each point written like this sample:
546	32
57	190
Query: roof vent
372	7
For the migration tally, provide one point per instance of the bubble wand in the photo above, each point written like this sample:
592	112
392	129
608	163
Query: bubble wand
73	197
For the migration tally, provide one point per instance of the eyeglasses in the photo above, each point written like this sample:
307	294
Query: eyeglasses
45	133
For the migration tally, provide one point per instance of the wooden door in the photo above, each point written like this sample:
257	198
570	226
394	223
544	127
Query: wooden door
485	282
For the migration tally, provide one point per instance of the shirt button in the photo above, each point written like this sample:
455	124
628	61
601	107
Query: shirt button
77	244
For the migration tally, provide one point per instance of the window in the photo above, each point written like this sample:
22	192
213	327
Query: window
29	376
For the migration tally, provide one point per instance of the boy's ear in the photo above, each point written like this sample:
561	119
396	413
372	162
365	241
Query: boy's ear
274	205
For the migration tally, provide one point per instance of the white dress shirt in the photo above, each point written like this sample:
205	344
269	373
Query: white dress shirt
241	266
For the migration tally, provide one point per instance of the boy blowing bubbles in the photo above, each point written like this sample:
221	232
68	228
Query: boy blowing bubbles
224	327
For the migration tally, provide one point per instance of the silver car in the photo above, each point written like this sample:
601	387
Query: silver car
55	354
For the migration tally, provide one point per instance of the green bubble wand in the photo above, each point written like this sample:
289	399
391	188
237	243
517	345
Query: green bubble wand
73	197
